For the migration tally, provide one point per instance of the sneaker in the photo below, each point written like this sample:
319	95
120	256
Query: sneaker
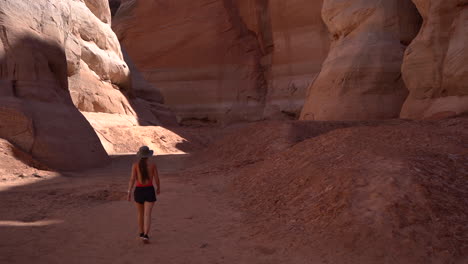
141	235
145	237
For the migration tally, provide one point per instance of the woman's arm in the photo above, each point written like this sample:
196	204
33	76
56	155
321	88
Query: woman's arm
156	179
131	182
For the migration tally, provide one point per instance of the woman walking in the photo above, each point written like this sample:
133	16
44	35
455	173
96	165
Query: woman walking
144	172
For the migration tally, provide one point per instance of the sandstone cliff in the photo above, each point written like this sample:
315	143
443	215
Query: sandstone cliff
36	110
56	58
361	77
96	67
226	60
435	67
198	53
252	59
294	42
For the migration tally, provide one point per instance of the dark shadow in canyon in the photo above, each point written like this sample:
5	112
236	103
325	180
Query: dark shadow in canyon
72	190
263	13
34	86
114	6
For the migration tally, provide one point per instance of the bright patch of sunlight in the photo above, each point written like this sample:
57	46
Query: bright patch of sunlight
27	181
37	223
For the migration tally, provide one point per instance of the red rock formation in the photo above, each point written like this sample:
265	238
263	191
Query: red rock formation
226	60
435	67
361	77
294	41
198	53
16	164
43	42
97	71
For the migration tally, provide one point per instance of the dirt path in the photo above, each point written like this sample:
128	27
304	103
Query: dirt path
82	218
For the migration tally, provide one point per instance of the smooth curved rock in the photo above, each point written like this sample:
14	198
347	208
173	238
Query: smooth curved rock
200	55
361	77
36	111
226	60
99	77
435	67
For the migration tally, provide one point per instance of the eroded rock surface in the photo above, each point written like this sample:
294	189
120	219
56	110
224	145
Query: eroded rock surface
435	69
294	42
226	60
361	77
97	72
40	46
198	53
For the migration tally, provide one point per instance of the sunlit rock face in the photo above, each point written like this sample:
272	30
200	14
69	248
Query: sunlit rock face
98	75
361	77
41	45
226	60
435	67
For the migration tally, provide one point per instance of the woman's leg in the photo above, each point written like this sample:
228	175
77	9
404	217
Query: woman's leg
141	217
148	210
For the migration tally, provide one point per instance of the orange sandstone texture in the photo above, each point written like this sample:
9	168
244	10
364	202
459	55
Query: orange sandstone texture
435	67
253	59
36	110
226	60
55	57
294	42
361	77
199	53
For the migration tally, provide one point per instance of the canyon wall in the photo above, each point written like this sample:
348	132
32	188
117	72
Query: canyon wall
96	69
231	60
198	53
435	67
58	58
36	109
226	60
294	42
361	77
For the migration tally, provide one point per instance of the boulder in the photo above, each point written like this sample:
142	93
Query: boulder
361	77
434	68
36	110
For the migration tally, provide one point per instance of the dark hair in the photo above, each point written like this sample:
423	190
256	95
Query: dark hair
142	164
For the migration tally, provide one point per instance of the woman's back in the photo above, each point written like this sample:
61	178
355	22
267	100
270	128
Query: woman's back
144	178
143	174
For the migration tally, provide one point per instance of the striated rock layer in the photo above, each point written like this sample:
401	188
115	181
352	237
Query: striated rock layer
435	69
225	60
361	77
198	53
294	42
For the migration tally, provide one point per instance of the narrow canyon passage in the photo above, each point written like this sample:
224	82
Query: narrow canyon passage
285	131
82	218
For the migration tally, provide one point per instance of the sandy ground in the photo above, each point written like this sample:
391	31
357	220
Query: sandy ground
82	218
268	192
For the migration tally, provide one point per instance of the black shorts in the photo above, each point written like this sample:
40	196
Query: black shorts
144	194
